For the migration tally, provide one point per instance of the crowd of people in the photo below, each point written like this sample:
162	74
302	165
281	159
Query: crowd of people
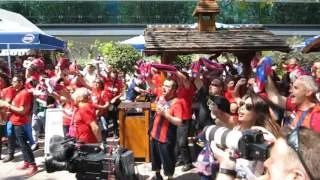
89	98
188	99
207	93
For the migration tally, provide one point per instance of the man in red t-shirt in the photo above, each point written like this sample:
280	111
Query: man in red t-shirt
185	94
20	109
7	95
163	133
302	102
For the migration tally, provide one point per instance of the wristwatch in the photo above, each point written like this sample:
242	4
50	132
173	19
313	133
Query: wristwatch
229	172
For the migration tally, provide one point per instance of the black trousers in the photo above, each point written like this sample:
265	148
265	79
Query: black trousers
113	115
2	134
21	136
66	130
183	132
163	154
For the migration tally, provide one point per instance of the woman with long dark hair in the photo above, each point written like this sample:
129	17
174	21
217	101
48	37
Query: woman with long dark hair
253	111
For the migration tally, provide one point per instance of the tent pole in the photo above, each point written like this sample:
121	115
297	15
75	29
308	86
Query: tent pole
9	59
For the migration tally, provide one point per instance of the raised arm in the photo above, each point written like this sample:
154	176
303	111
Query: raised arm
183	79
273	94
224	117
198	82
236	92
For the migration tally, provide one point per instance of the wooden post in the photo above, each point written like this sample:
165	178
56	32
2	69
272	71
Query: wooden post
147	140
166	59
121	125
245	59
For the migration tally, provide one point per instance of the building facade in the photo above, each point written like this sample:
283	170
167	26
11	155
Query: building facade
118	19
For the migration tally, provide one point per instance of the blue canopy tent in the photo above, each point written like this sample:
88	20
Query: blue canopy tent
17	32
309	45
30	40
136	42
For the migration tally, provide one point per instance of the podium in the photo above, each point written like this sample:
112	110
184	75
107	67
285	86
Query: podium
133	128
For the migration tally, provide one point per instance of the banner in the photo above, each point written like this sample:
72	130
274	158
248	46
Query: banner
54	126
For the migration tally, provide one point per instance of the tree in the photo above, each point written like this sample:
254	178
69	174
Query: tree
119	56
182	60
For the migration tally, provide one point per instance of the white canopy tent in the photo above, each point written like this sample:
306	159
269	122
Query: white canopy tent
18	33
136	42
14	22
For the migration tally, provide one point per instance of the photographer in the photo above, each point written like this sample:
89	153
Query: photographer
293	157
253	111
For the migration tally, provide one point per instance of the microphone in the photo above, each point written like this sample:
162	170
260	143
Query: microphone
59	149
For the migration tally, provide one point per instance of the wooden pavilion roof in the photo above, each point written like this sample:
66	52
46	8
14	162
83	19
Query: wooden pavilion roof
191	41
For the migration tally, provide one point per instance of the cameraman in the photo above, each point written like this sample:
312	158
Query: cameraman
83	123
293	157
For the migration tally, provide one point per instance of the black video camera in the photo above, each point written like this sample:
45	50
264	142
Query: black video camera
89	161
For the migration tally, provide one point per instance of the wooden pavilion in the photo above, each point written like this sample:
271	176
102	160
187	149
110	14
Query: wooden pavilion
243	41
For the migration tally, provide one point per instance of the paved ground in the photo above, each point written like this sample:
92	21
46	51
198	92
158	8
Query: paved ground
8	170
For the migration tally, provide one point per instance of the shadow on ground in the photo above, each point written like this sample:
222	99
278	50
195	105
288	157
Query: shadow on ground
188	176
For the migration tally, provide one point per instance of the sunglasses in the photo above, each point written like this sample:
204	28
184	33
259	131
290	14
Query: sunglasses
293	142
16	81
249	107
215	84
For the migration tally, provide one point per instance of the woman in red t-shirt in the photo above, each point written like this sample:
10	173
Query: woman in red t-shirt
113	90
101	103
84	122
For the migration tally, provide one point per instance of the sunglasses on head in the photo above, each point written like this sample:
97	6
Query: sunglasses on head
249	107
293	142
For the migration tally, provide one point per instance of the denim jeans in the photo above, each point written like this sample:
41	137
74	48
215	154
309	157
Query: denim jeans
21	136
38	123
27	127
103	125
204	177
12	139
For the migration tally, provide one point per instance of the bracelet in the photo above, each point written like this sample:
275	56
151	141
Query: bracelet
229	172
